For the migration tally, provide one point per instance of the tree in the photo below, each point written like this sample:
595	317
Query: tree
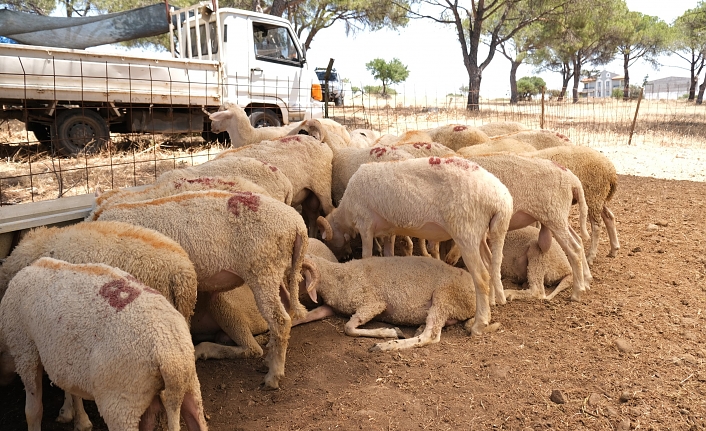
485	19
389	73
641	37
689	44
529	86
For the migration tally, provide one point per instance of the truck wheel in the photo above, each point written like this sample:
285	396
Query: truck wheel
41	132
80	131
338	101
264	118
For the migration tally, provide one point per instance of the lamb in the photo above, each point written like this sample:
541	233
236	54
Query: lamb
347	161
306	161
539	139
169	188
457	136
544	191
130	372
233	119
398	290
600	181
501	128
524	261
403	198
234	239
265	175
496	146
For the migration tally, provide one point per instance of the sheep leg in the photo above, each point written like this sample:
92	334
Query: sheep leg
235	326
388	247
574	252
365	314
32	379
587	277
595	234
433	248
481	278
81	421
453	255
367	238
535	276
563	285
317	313
66	412
609	220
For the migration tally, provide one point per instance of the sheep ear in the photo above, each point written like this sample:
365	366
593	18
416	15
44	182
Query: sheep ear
219	116
316	129
324	228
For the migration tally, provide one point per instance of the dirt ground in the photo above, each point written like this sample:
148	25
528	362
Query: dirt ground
630	355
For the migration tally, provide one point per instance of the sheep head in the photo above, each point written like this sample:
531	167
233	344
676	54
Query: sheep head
334	236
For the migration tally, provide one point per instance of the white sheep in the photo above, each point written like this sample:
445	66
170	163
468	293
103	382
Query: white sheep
328	131
539	139
265	175
496	146
169	188
600	181
432	198
426	149
501	128
100	334
544	191
398	290
234	120
306	161
457	136
525	262
234	239
363	138
408	137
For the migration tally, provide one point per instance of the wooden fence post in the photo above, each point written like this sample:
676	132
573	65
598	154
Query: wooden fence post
634	120
541	119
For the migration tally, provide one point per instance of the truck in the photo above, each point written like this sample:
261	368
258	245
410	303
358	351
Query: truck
75	98
335	87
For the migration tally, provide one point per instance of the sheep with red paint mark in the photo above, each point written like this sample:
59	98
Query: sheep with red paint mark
398	290
234	239
426	149
539	139
233	119
455	136
54	312
328	131
496	146
498	128
268	176
169	188
432	198
408	137
600	181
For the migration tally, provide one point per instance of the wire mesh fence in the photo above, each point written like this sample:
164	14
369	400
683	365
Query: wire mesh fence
34	169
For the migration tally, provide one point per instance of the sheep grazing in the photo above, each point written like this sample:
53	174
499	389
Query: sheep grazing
544	191
132	373
397	290
496	146
234	120
600	181
525	262
347	161
234	239
501	128
306	161
328	131
457	136
539	139
169	188
432	198
265	175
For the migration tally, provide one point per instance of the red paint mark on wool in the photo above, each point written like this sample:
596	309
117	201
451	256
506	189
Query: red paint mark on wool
461	163
288	139
419	145
460	128
246	199
434	161
272	168
378	151
564	137
560	166
119	293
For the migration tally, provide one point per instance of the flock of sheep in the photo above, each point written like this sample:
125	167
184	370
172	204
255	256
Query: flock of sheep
216	254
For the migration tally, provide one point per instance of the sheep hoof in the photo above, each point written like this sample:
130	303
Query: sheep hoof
271	383
65	417
399	332
493	327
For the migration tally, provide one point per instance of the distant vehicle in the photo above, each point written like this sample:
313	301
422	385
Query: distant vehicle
336	91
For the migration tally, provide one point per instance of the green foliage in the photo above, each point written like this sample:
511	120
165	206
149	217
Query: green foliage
529	86
377	89
618	93
355	89
392	72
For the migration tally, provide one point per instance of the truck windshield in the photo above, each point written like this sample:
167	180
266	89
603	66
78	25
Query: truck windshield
274	43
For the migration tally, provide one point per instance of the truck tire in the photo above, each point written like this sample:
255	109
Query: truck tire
338	101
80	131
264	118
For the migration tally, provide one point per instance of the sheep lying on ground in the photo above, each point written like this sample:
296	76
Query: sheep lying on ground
306	161
265	175
132	373
501	128
398	290
432	198
234	239
496	146
347	161
539	139
169	188
328	131
544	191
599	179
457	136
234	120
524	261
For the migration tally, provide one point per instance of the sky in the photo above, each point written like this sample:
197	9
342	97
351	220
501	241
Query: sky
433	55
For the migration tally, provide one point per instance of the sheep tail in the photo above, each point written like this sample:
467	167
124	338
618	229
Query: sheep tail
296	309
583	211
613	188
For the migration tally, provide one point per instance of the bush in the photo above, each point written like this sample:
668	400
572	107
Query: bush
377	89
634	92
529	86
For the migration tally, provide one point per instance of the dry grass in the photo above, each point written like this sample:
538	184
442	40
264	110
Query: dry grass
29	172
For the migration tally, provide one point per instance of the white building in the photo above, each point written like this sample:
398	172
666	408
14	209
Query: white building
603	85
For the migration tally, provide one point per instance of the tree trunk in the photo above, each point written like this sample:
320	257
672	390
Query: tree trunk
474	89
577	80
702	88
278	7
626	88
692	85
565	78
514	65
